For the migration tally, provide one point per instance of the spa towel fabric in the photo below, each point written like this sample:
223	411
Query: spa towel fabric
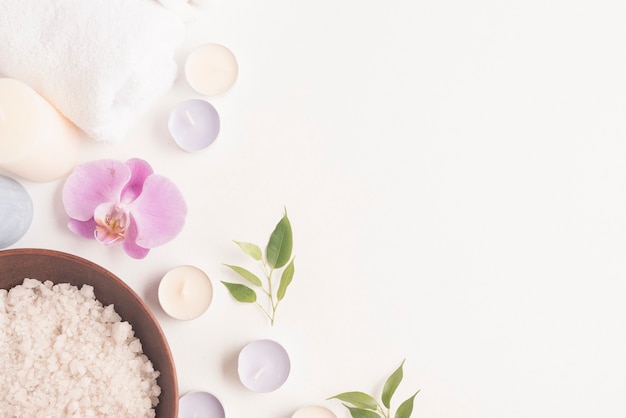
102	63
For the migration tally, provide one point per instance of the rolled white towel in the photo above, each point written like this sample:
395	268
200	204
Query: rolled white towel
182	7
188	10
102	63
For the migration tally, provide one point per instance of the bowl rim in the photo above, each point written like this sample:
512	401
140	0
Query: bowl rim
122	284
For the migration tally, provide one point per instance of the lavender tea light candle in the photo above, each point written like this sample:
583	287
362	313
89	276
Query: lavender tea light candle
194	124
263	365
200	405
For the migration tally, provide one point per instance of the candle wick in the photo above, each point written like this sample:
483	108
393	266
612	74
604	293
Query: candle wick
182	289
259	373
190	118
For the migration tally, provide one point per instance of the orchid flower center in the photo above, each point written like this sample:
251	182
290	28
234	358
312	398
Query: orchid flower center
112	222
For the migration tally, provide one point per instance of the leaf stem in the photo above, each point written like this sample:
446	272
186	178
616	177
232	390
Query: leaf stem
270	292
265	312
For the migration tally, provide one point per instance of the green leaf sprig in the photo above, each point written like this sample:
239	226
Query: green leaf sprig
362	405
277	256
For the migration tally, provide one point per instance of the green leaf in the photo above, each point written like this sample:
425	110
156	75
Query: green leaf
391	385
285	280
406	408
278	251
362	413
241	292
251	249
358	399
249	276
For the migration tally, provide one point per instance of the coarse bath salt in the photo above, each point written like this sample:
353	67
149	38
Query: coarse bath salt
64	354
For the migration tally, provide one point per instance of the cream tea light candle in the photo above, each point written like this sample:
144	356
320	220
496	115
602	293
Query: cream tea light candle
211	69
200	405
314	412
37	143
263	365
16	211
194	124
185	292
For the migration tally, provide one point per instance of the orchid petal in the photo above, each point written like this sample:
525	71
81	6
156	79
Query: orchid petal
91	184
129	244
140	170
83	229
159	212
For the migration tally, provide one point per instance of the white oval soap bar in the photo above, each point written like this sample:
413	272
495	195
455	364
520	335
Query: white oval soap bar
37	143
16	211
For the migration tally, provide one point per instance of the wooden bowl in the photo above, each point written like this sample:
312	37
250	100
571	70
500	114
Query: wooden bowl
59	267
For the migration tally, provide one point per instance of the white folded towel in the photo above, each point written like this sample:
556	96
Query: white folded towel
102	63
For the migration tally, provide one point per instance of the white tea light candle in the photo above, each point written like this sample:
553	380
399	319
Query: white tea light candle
194	124
263	365
211	69
200	405
16	211
37	143
185	292
314	412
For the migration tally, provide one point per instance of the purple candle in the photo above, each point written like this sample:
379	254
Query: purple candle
263	365
200	405
194	124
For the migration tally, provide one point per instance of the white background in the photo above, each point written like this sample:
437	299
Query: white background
455	175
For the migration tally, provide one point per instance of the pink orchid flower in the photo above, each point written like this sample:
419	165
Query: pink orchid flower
116	202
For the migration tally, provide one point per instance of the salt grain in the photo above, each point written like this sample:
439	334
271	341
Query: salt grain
64	354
